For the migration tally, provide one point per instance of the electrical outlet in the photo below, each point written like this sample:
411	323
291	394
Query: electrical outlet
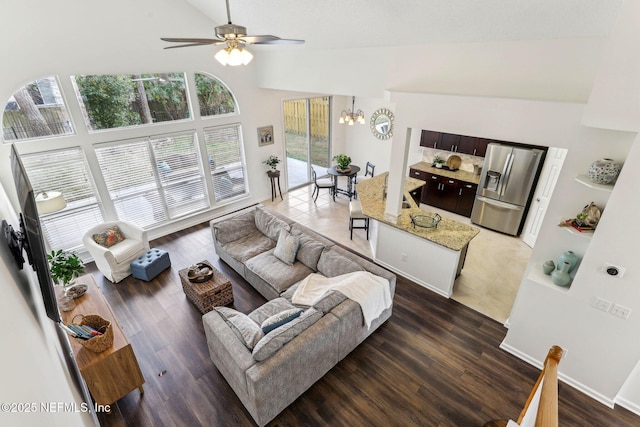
602	304
621	311
613	270
564	353
403	257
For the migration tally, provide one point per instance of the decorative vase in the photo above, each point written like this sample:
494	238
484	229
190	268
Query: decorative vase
439	165
548	267
561	277
66	302
604	171
345	170
569	257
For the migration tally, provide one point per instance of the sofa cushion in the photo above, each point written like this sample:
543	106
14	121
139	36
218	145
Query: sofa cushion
270	308
276	339
268	224
287	247
109	237
310	249
280	319
249	246
235	228
332	263
325	305
247	331
275	272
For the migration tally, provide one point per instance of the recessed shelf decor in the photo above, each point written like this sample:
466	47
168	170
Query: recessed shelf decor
584	180
536	275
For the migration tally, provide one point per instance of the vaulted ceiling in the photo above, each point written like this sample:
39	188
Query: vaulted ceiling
331	24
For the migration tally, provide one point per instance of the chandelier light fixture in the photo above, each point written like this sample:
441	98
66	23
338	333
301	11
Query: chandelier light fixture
351	116
234	54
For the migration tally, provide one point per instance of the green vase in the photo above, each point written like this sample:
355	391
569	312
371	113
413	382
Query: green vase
562	277
571	258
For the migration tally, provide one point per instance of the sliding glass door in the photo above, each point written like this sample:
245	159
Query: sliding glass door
307	138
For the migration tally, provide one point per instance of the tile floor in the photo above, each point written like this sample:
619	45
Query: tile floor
492	272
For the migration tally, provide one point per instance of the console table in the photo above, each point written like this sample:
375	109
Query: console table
113	373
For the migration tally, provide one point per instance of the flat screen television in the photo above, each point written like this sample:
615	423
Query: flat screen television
29	238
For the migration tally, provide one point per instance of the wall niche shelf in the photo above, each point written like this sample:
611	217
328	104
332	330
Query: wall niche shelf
584	180
584	234
536	275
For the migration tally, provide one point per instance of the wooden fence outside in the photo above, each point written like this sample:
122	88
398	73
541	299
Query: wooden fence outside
295	117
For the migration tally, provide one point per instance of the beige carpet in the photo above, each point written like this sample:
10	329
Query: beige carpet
492	272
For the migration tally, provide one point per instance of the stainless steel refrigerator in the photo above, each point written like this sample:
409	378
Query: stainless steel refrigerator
508	178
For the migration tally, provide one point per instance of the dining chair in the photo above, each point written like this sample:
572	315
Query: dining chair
322	183
368	173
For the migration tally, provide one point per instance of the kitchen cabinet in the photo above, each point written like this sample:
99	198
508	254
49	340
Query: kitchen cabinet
449	141
466	197
429	138
455	143
446	193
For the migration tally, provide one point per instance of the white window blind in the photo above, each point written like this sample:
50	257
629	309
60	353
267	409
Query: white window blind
153	180
226	161
65	171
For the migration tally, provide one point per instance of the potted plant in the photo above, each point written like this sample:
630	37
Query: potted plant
342	162
65	267
272	162
438	161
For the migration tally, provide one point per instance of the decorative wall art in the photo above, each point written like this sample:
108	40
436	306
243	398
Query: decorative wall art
265	135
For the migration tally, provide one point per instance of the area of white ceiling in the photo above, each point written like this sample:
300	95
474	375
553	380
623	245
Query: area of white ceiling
332	24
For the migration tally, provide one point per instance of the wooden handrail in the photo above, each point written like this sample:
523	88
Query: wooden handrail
547	415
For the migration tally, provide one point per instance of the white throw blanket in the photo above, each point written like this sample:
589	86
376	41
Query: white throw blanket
365	288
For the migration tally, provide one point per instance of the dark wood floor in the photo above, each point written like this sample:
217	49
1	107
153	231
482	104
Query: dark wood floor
434	363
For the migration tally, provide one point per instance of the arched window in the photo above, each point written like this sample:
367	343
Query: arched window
213	96
36	110
110	101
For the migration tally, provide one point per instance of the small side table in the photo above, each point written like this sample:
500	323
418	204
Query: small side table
274	176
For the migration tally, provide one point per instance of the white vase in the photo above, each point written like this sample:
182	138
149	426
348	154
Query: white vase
604	171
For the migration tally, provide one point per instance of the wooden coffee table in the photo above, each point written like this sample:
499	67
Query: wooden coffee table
214	292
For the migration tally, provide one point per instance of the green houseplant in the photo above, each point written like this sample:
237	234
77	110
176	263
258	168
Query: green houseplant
438	161
65	266
272	162
342	161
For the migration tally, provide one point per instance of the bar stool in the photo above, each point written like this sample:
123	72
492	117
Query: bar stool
355	213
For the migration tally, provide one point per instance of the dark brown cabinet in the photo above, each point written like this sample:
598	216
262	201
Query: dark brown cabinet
446	193
454	143
430	139
466	197
416	195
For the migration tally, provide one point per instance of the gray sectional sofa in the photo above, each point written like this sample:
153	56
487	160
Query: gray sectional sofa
268	371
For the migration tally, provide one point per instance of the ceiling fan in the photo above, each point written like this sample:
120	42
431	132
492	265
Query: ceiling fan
235	38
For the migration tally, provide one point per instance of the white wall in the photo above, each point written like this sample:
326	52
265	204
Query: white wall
31	364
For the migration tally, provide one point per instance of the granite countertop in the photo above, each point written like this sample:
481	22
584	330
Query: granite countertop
459	174
449	233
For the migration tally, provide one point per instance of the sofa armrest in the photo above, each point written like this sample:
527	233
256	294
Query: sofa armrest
277	381
134	232
227	352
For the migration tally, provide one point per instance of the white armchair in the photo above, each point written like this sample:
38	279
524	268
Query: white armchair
114	261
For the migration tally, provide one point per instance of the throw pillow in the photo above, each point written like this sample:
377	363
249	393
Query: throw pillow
247	331
287	247
276	339
310	249
280	319
109	237
270	308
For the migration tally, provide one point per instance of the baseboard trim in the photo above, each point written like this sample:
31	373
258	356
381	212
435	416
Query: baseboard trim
628	405
562	377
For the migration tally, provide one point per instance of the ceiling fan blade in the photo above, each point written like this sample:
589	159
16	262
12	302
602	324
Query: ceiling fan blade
190	44
271	40
199	41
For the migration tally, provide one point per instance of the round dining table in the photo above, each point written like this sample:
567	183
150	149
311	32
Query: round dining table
353	171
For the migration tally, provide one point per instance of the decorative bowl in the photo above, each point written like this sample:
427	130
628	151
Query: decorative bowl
425	220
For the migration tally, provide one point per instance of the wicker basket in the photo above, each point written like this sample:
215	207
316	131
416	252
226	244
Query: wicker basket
99	343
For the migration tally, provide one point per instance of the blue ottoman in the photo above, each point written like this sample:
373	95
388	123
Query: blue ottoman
150	264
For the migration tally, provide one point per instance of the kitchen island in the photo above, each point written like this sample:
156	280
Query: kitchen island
432	257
